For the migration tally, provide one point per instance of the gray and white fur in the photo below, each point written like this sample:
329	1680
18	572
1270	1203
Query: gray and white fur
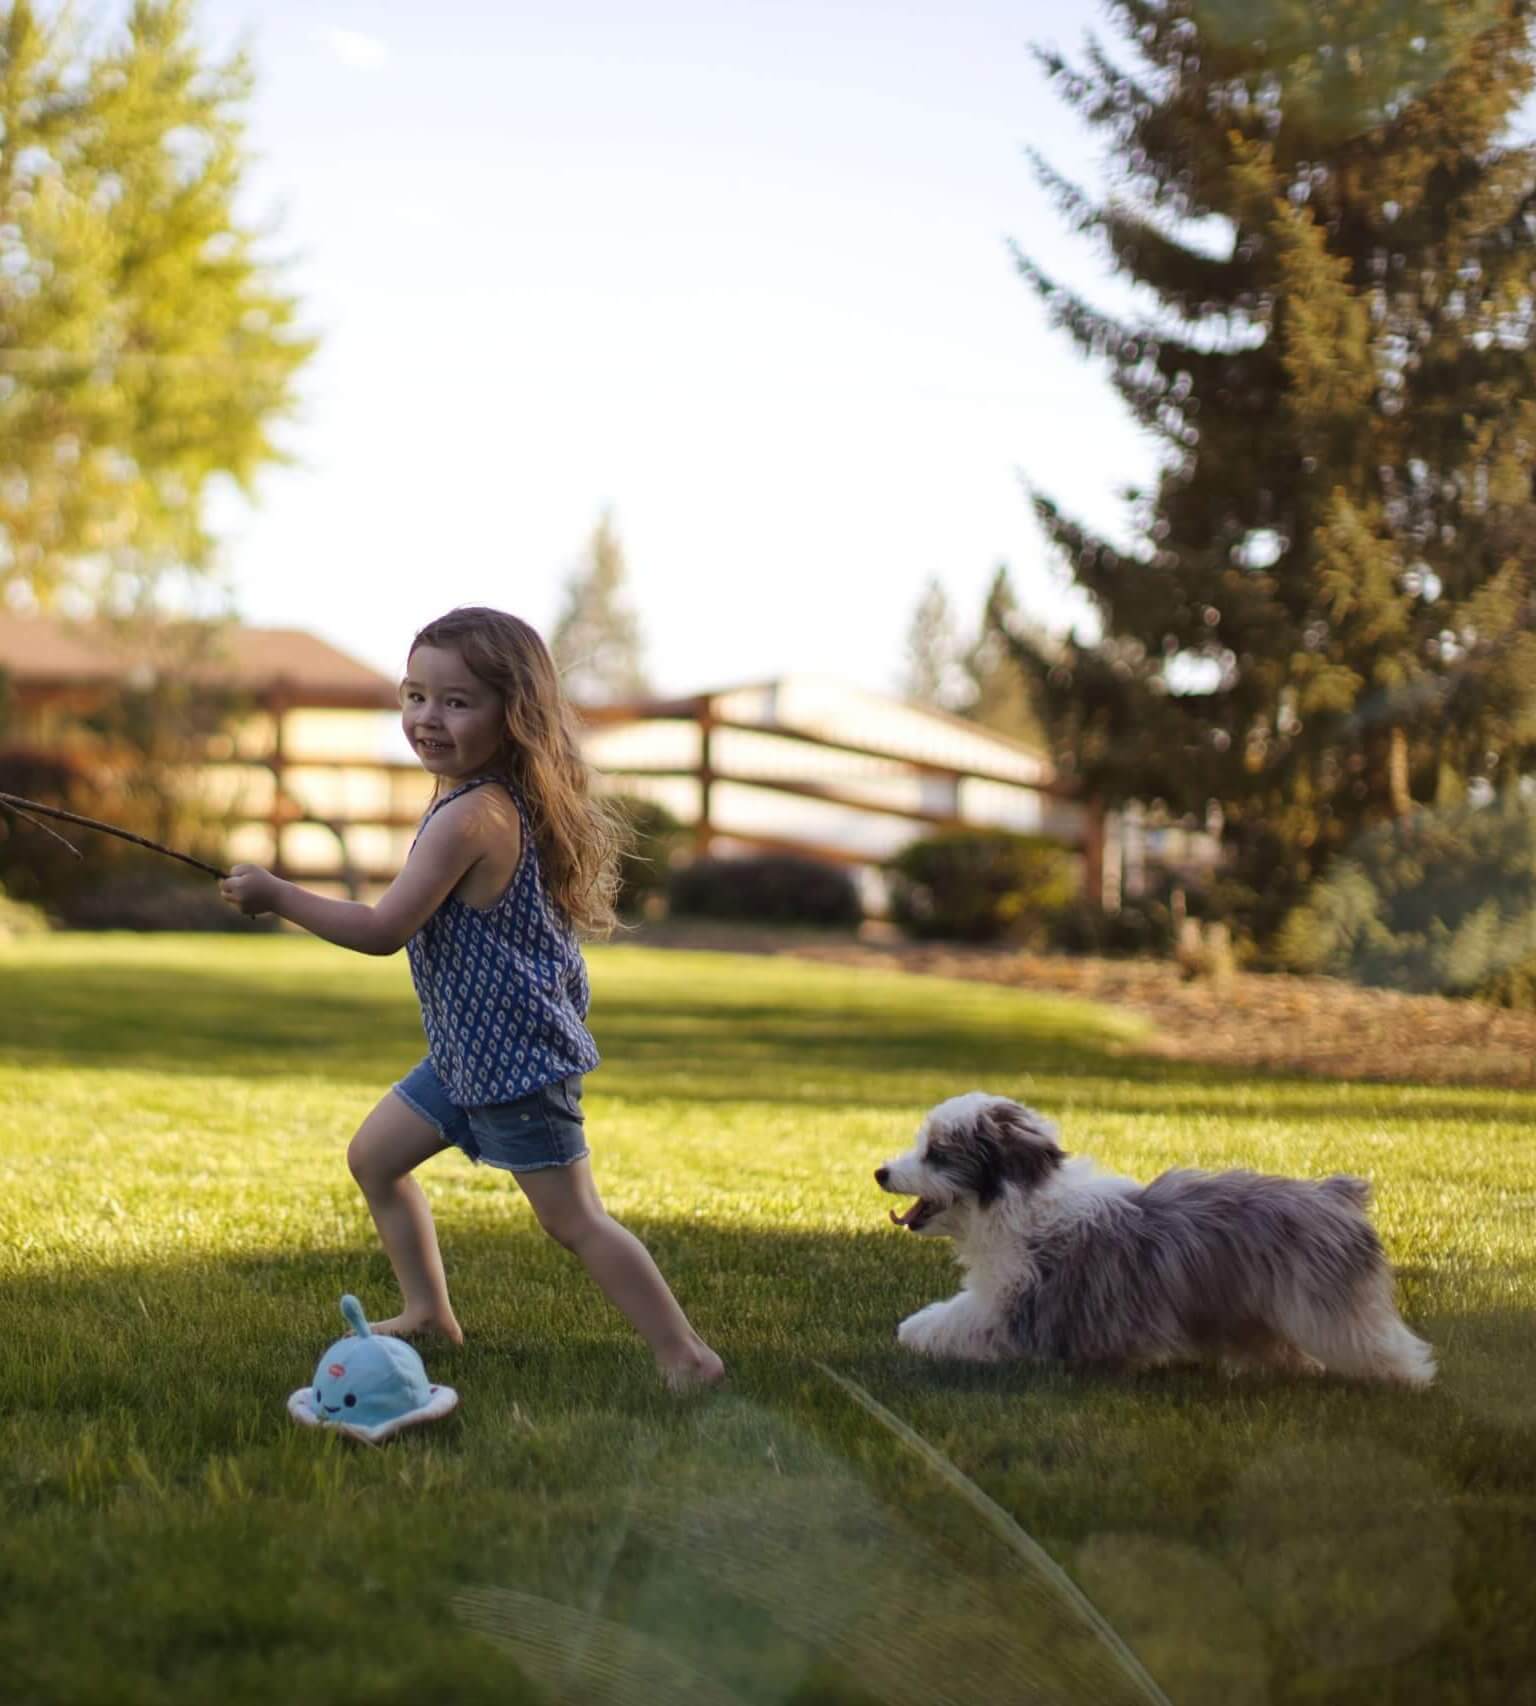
1064	1262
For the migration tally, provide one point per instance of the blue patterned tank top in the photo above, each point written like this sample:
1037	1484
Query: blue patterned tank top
503	988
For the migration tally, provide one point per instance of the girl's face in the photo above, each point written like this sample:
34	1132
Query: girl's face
452	718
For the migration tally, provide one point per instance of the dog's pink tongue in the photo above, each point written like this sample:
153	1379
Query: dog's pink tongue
906	1214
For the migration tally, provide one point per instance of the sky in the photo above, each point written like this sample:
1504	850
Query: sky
737	272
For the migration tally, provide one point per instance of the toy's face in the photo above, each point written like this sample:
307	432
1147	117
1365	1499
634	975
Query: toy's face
368	1381
336	1390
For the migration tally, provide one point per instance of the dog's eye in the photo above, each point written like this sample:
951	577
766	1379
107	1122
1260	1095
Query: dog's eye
350	1399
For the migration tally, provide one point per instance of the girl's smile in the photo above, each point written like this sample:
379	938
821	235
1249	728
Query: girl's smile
452	719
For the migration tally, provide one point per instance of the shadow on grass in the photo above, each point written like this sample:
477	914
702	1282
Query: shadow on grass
196	1018
181	1020
776	1302
770	1543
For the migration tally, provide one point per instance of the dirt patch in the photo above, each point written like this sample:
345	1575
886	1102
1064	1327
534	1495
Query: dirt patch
1309	1025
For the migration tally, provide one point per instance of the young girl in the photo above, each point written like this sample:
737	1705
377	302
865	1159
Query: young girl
513	858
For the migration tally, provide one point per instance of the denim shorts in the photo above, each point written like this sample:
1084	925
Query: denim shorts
542	1129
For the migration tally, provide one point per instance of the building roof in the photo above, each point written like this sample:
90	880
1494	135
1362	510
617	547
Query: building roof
41	654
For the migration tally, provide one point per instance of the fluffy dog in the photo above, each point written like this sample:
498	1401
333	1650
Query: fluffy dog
1065	1262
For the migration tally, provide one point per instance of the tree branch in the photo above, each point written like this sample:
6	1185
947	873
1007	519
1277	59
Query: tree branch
14	802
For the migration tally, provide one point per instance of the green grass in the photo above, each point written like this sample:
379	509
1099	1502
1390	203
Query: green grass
177	1224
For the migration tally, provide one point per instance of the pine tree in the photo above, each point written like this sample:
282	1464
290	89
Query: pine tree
1327	613
1000	696
934	674
596	639
144	345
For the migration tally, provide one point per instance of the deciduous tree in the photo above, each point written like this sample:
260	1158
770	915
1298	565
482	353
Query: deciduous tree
146	347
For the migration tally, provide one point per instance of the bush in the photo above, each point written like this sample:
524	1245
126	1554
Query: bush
109	873
652	838
1436	902
777	888
1513	987
979	885
1139	927
145	897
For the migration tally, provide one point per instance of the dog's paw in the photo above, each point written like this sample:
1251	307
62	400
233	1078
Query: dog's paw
922	1331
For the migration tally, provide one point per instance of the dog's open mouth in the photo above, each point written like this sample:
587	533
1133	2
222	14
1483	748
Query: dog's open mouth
920	1213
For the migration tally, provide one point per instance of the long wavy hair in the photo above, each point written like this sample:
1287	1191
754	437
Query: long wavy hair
576	833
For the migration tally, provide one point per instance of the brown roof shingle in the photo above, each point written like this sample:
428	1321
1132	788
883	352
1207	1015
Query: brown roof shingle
39	653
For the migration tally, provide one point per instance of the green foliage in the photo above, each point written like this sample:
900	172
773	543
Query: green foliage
1513	987
766	888
1002	697
145	346
652	838
979	885
1433	902
1327	614
1140	928
977	680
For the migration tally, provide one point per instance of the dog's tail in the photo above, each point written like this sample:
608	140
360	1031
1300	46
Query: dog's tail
1356	1192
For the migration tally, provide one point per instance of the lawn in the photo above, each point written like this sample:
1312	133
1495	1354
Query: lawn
177	1225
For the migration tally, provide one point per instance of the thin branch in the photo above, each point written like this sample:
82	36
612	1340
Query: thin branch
15	803
27	817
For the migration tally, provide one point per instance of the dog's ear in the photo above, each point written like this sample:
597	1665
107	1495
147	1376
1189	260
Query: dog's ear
1020	1146
1000	1144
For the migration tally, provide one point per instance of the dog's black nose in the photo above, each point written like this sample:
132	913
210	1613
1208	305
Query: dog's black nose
882	1174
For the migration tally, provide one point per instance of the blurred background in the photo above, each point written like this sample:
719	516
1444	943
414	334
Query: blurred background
1097	440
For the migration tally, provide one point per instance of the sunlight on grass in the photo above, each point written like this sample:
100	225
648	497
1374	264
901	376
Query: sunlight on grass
177	1224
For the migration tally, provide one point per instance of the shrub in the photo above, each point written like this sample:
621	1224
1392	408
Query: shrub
979	885
1514	987
778	888
1433	902
139	895
652	837
36	869
1139	927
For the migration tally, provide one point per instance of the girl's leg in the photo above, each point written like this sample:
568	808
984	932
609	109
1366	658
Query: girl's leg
566	1202
392	1141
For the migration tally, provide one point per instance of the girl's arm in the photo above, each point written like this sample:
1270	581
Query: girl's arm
452	842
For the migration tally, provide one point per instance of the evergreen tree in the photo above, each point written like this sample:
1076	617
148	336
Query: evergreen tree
1000	695
596	639
934	674
144	346
1327	614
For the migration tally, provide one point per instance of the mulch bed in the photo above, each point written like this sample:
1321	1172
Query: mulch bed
1307	1025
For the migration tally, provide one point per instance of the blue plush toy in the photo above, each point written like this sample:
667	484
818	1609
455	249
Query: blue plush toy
369	1386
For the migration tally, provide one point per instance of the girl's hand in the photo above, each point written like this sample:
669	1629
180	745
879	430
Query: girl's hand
250	888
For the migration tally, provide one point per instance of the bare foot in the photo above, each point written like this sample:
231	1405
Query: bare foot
412	1326
694	1369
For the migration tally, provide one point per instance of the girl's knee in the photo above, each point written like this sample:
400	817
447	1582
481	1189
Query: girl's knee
366	1165
358	1164
571	1224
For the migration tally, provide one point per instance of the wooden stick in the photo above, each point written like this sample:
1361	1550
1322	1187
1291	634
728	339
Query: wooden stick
26	817
16	803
